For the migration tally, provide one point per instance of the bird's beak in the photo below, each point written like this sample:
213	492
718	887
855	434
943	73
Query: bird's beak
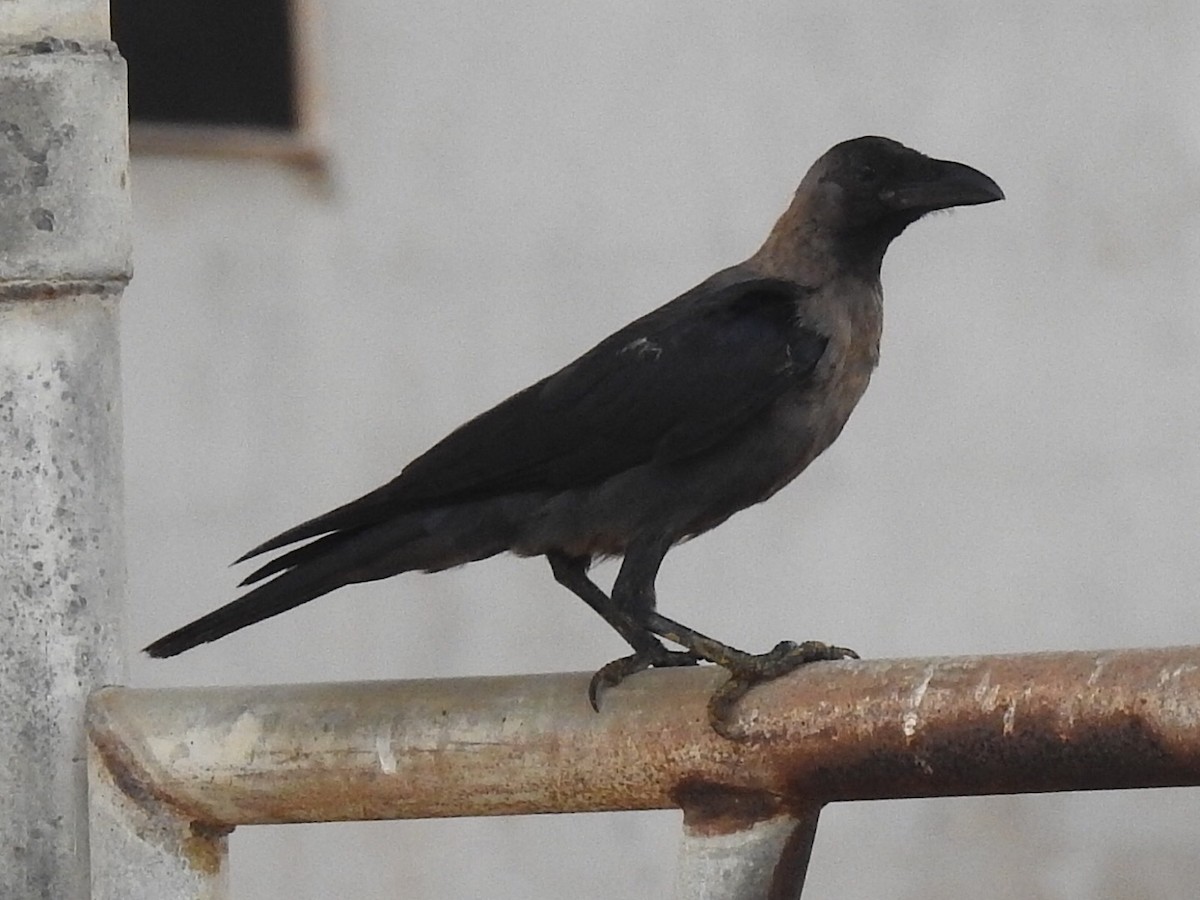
942	184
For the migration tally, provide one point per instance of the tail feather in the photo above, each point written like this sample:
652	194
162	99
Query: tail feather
277	596
298	556
305	573
429	540
370	509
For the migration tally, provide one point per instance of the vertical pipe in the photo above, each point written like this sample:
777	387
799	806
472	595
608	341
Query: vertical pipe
64	259
730	857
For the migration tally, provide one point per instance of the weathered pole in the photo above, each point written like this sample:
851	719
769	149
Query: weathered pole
64	259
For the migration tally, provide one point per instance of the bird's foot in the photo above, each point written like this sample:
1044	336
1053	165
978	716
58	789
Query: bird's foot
618	670
750	670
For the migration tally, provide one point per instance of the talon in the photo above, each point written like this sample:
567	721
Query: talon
751	671
613	673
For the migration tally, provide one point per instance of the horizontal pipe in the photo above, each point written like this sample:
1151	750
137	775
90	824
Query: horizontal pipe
531	744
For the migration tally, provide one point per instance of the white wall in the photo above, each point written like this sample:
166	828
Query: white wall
512	182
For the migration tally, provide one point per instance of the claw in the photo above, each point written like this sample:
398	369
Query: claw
613	673
783	658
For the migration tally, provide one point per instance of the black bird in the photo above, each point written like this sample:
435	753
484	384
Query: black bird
663	430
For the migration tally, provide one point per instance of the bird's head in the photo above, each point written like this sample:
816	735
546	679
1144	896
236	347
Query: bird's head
876	182
863	192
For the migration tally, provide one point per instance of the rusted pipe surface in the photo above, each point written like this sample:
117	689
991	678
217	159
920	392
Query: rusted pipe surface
486	746
143	851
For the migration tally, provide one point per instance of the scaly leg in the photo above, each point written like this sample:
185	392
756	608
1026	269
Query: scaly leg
571	573
634	596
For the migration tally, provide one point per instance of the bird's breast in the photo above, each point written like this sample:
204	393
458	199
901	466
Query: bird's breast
807	420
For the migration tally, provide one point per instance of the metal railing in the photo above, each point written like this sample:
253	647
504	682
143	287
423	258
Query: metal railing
174	771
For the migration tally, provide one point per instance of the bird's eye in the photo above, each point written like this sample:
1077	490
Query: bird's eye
868	174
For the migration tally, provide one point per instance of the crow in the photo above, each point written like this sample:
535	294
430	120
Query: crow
662	431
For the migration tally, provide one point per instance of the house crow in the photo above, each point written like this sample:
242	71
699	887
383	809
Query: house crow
660	432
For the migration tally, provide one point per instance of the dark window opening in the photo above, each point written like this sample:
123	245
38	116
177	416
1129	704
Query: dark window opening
209	62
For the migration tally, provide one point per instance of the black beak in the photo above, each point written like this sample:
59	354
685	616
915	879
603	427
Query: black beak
943	184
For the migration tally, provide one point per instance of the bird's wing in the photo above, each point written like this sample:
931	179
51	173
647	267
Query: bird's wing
669	385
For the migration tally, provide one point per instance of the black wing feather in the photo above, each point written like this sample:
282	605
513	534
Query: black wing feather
668	385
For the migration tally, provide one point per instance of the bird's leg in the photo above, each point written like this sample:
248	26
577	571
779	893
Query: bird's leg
745	669
634	596
633	593
571	573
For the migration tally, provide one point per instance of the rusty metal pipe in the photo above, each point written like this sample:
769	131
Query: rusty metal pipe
491	746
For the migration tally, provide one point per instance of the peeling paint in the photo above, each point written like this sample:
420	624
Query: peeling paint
383	747
1010	717
911	719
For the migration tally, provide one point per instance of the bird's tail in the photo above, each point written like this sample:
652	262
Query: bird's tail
276	596
305	573
430	540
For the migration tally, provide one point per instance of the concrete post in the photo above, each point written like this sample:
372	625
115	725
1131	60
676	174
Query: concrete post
64	259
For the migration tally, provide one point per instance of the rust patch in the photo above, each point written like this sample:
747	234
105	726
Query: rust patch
203	845
130	778
711	808
976	756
